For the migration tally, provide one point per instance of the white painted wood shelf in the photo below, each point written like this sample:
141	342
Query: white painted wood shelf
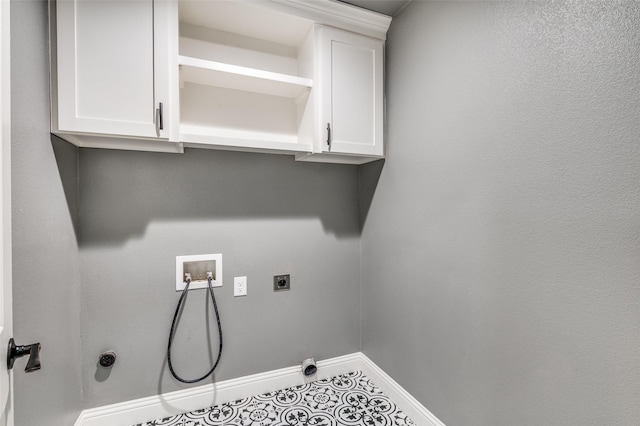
239	140
229	76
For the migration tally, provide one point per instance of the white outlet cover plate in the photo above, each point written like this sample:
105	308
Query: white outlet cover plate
181	260
239	286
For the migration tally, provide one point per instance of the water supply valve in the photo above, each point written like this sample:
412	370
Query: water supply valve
201	269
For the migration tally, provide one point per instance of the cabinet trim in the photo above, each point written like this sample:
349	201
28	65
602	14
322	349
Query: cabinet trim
339	15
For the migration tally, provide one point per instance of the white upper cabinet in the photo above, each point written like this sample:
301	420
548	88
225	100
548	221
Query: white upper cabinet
110	70
350	104
299	77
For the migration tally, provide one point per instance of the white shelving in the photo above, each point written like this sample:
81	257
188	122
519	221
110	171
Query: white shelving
252	75
243	84
211	73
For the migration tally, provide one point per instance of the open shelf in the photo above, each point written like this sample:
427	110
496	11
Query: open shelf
246	77
214	115
242	140
211	73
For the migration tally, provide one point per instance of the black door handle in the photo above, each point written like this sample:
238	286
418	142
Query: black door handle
16	351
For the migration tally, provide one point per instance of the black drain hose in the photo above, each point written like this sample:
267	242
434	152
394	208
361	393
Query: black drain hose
173	327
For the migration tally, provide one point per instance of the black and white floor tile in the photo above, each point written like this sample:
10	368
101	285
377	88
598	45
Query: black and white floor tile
350	399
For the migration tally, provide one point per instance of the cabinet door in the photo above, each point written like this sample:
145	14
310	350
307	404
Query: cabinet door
107	80
352	93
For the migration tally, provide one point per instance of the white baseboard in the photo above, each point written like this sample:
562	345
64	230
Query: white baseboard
158	406
403	399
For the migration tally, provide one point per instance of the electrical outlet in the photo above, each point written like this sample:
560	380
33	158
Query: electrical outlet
239	286
281	282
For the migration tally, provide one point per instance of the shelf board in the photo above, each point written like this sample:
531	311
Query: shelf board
245	140
211	73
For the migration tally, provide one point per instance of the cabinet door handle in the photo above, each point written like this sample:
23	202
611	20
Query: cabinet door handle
159	117
329	135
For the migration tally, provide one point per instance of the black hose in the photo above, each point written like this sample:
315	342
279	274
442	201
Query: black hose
173	326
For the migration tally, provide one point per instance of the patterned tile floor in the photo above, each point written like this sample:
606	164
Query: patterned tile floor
350	399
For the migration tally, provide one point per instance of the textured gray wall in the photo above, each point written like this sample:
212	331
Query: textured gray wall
46	289
266	214
501	249
499	253
104	228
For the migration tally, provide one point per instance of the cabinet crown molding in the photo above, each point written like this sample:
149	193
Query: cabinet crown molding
339	15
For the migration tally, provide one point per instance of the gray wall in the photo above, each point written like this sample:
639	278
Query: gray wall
104	228
266	214
501	249
46	289
498	259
